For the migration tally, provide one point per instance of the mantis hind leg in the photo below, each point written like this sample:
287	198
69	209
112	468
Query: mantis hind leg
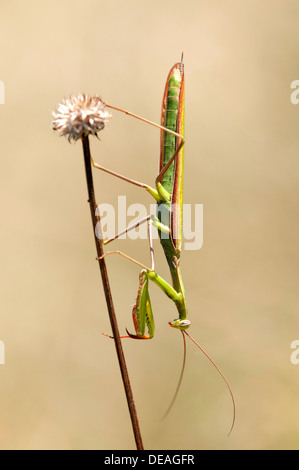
151	221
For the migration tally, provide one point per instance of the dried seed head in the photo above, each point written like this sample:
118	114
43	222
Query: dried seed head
80	115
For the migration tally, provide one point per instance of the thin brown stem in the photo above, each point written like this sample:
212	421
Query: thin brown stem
108	295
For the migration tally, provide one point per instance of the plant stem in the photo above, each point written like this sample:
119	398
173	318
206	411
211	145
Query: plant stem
108	295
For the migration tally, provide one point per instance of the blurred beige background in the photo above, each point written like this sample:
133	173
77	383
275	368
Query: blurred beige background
60	387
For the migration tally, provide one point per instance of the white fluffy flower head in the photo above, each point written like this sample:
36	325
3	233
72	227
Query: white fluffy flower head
81	115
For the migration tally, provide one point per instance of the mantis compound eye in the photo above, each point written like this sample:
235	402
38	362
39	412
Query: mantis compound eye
181	324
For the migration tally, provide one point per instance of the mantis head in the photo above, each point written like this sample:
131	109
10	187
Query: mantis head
180	324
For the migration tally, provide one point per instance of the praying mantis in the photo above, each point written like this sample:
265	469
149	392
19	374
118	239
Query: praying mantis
168	194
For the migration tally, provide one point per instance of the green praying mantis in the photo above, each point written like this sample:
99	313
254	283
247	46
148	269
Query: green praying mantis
168	194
